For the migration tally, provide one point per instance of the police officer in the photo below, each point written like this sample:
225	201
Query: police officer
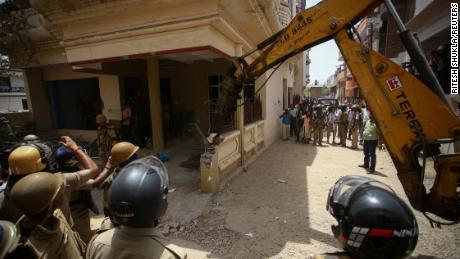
342	121
24	159
121	154
355	125
44	228
32	158
79	179
106	135
138	199
319	122
80	201
4	153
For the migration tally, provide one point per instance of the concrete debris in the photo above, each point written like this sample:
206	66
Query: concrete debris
249	234
165	230
174	225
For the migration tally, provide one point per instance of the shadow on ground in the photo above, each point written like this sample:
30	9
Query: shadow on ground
265	208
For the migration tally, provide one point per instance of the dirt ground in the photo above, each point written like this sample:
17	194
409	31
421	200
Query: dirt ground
276	207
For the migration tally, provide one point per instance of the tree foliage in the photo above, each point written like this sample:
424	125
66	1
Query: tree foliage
15	46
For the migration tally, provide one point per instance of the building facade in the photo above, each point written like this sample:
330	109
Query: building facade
163	59
12	92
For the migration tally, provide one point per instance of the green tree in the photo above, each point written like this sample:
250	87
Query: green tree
15	46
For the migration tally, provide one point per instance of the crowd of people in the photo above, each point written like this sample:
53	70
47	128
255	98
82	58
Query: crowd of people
45	203
310	120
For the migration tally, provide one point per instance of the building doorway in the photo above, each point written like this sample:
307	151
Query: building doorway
75	103
136	96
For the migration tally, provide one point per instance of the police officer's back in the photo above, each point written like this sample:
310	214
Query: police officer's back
137	200
44	229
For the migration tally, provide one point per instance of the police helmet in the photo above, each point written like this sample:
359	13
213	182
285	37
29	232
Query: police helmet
122	152
64	157
31	138
34	193
138	196
29	158
372	221
9	237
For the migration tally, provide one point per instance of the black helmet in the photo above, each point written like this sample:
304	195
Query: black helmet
138	196
373	221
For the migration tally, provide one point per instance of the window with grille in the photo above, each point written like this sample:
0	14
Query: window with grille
213	92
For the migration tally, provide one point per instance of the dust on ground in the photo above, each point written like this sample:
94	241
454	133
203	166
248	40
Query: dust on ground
276	207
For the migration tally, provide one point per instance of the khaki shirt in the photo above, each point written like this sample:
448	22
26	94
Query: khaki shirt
59	243
126	242
73	181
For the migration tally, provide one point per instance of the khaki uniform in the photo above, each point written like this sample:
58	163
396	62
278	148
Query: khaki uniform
318	125
126	242
59	243
105	186
106	137
354	130
343	121
81	220
73	181
7	209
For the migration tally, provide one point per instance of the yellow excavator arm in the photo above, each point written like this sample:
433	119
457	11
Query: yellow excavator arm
414	117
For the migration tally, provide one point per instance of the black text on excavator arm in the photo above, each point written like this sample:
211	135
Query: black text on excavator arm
413	115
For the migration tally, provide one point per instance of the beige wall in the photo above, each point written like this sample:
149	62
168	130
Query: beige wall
63	72
299	74
110	93
134	15
38	94
189	88
273	104
315	92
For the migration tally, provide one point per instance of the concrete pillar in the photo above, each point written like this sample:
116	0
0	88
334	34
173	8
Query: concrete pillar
37	93
153	75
